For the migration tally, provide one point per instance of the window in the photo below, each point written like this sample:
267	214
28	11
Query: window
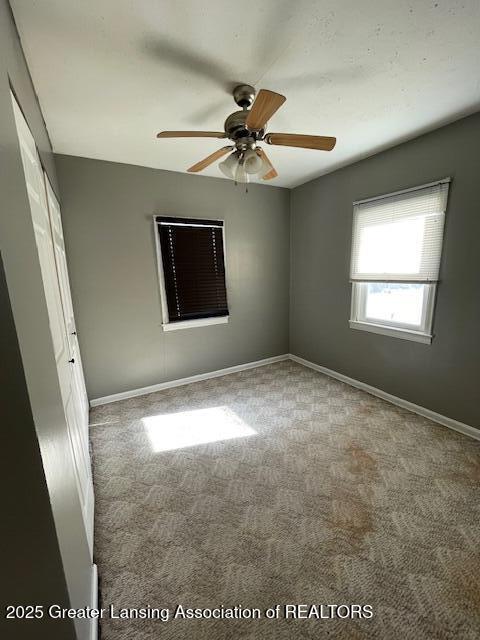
396	250
192	272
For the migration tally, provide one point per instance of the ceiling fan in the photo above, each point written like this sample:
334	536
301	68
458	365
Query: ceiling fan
246	129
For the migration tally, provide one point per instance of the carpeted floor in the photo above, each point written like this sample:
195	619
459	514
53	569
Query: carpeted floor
322	494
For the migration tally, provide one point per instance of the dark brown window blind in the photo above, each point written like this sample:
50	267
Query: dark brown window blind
193	267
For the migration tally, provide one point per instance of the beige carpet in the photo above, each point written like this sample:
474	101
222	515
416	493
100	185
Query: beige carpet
322	494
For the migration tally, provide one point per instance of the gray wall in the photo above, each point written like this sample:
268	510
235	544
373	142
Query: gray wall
32	570
38	472
107	213
443	376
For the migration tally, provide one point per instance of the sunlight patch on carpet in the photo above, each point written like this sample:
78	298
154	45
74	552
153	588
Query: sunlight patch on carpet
169	431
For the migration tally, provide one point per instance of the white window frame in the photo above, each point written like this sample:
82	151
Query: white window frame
358	318
167	325
420	333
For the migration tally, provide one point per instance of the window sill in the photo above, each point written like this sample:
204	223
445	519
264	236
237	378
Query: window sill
403	334
192	324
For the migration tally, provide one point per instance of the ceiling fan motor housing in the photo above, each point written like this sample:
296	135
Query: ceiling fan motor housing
236	129
235	126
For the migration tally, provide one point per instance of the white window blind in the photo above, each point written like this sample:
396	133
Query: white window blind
398	238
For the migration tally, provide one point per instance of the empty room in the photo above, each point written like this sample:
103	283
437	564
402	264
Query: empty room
240	356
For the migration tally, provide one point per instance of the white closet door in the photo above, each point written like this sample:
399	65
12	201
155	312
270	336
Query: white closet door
79	389
74	416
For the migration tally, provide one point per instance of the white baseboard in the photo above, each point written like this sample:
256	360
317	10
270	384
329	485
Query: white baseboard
94	603
466	429
181	381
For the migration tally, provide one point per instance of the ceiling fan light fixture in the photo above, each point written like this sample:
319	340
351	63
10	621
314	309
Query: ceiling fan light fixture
265	166
229	166
240	174
253	163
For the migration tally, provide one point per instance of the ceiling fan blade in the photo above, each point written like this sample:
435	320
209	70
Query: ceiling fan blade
265	105
191	134
272	173
203	164
322	143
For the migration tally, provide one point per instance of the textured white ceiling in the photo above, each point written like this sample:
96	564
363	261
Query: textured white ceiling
111	73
